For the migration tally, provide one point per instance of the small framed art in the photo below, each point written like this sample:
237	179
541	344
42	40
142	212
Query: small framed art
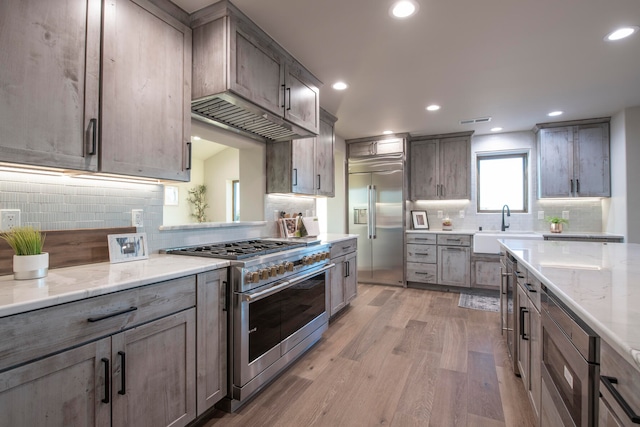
419	220
127	247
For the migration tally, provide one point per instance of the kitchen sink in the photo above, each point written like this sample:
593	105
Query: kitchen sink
486	242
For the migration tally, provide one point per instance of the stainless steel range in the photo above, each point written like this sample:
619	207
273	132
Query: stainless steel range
279	307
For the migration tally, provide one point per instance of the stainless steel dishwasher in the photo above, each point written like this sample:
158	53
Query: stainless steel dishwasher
570	366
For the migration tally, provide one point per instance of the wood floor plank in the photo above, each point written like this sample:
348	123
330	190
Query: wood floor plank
396	357
484	390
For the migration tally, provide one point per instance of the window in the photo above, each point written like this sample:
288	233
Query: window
502	180
236	200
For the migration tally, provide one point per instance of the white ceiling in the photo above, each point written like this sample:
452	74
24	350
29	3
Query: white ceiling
513	60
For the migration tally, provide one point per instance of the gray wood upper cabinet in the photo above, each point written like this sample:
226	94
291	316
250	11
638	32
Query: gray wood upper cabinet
364	147
231	53
440	167
303	166
49	82
573	159
146	92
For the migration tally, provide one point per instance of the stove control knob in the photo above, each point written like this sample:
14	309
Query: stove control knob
281	268
252	277
273	271
316	258
264	273
327	255
288	265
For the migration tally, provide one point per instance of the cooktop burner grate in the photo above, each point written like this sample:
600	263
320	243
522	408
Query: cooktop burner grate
237	250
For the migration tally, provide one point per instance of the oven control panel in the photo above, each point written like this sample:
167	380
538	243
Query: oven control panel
265	272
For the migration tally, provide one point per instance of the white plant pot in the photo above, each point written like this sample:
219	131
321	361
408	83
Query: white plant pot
30	266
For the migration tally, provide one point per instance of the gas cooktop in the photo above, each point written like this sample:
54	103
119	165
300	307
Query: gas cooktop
237	250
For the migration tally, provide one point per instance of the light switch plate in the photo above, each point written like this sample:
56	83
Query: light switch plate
461	213
565	214
540	214
439	214
136	218
9	219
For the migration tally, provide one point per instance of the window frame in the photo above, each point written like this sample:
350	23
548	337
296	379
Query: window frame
504	155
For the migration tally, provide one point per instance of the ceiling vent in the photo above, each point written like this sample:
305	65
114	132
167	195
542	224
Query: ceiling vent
477	120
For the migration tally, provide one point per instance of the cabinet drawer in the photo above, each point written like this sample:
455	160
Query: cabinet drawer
421	253
37	333
343	248
425	273
422	239
533	289
454	239
623	378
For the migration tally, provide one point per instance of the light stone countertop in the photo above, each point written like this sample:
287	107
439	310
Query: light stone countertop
69	284
336	237
599	282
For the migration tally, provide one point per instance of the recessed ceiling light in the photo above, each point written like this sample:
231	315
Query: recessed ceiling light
433	107
555	113
403	9
387	132
621	33
339	86
496	129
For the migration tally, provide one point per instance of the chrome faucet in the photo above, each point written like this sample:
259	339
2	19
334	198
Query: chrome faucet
505	226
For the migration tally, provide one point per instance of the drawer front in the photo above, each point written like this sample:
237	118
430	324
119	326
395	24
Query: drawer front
454	239
534	289
424	273
343	248
34	334
422	239
422	253
621	379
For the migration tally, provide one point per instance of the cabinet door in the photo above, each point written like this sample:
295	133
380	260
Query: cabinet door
555	162
303	166
67	389
486	273
49	82
154	373
351	278
455	162
454	266
535	347
337	288
424	170
256	71
324	160
146	92
591	157
211	338
302	100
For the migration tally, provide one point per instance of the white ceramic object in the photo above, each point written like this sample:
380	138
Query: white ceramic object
486	242
30	266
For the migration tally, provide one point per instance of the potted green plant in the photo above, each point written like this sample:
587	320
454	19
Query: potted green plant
556	223
29	262
197	199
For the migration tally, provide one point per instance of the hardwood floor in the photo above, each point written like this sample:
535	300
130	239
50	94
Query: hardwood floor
397	357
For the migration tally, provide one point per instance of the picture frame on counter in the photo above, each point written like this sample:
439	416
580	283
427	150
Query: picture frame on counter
419	220
127	247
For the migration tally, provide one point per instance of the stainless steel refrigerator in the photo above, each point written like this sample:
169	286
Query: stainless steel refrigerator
376	216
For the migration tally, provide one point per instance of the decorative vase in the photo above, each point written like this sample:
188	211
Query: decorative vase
30	266
556	228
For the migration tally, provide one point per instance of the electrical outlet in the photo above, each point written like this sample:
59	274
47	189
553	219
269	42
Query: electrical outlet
540	214
461	214
9	218
136	218
439	214
565	214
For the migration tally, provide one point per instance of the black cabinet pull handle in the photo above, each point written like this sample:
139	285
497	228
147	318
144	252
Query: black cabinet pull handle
107	375
295	177
284	96
94	135
189	150
226	296
529	287
289	90
571	183
318	181
577	186
523	335
123	386
608	383
107	316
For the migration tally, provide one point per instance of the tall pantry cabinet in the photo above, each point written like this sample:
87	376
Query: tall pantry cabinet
96	86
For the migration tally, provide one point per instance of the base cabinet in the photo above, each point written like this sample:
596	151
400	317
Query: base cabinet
343	286
443	259
485	271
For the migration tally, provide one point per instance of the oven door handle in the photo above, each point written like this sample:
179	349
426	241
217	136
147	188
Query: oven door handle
284	285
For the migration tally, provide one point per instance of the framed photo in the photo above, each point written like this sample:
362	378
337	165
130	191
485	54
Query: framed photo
127	247
419	220
289	227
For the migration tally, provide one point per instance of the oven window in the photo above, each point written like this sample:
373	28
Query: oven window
264	325
565	379
302	303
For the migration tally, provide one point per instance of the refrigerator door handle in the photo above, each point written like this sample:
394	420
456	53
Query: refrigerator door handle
369	232
374	202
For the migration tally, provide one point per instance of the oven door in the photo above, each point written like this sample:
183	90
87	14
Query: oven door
269	322
569	387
